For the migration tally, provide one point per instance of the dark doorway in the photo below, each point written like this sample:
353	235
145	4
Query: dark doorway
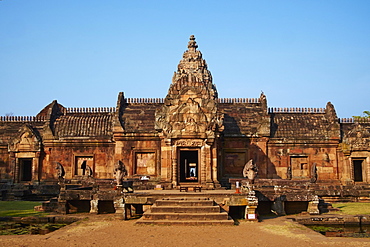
189	166
78	206
295	207
25	169
106	207
357	170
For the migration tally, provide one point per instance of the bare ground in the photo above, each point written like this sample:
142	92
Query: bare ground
105	230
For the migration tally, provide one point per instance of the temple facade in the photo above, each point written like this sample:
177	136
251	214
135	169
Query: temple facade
189	137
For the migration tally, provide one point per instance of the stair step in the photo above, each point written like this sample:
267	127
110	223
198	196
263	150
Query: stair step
185	209
186	222
184	203
185	216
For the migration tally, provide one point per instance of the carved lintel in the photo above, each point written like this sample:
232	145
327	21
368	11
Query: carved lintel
189	143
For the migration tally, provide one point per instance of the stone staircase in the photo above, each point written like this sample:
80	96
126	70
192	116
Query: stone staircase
185	211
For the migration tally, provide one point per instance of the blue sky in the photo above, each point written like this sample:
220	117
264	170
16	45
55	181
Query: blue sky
84	52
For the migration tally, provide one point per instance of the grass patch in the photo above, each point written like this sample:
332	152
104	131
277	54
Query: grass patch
287	229
325	228
12	228
352	208
19	209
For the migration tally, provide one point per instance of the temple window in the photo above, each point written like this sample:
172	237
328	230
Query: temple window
145	163
82	163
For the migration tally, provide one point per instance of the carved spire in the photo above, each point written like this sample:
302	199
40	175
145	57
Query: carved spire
192	45
192	71
190	108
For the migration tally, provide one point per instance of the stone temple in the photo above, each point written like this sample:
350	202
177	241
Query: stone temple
189	138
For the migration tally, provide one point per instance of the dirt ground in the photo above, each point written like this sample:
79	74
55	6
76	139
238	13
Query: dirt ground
105	230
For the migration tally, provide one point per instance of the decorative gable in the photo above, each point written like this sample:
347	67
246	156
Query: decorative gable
27	141
190	109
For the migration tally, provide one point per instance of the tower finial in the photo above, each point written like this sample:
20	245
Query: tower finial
192	45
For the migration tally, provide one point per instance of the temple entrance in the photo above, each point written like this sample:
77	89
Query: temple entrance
25	169
357	170
188	168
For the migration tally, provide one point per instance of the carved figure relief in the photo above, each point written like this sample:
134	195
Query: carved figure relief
358	138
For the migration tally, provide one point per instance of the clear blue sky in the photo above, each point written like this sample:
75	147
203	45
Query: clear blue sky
83	52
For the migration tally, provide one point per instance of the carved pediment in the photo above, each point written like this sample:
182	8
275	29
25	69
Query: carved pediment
358	138
28	140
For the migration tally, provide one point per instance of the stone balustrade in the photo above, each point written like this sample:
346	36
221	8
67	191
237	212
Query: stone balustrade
21	119
355	120
295	110
144	100
238	100
90	109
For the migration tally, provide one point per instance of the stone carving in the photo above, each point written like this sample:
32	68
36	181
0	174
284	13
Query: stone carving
250	171
189	143
190	107
60	171
94	206
89	171
119	172
358	138
27	140
331	113
313	173
289	172
252	199
333	126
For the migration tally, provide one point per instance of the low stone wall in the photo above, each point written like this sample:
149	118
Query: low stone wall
41	220
334	220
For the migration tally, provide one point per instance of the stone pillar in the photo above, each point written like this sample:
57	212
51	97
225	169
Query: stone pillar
35	167
62	202
94	206
214	167
166	164
208	166
13	166
313	206
346	174
366	165
203	170
17	171
119	206
174	165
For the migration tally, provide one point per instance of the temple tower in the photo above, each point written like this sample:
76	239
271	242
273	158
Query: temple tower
188	124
